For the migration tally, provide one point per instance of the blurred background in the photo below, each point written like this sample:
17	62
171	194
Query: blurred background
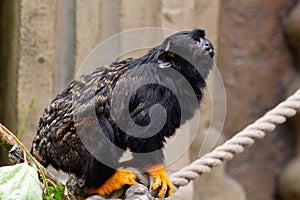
44	42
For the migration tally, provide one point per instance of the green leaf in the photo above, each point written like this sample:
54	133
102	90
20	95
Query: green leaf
55	192
19	182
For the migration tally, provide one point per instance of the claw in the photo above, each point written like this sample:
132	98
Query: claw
161	180
118	180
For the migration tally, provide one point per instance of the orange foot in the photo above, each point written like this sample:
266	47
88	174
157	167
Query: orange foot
118	180
161	180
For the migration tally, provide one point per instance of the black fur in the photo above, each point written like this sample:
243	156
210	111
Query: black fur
58	141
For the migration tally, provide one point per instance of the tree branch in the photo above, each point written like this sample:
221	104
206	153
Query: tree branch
5	139
15	147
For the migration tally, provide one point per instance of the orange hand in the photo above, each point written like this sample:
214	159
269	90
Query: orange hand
161	180
119	179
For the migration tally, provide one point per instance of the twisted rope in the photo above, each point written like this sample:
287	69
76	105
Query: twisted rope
239	141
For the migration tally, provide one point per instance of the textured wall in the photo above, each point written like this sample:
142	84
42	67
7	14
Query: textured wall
37	61
289	181
9	16
258	70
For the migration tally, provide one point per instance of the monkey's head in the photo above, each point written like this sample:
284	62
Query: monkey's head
187	49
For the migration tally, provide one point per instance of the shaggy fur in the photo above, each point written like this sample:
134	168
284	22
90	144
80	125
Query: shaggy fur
185	57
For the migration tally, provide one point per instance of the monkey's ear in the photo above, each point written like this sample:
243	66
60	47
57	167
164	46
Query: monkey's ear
198	33
163	61
164	58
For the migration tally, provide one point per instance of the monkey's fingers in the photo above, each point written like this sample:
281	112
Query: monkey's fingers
161	180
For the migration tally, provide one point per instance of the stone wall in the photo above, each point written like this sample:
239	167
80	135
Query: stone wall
45	42
289	180
9	24
258	69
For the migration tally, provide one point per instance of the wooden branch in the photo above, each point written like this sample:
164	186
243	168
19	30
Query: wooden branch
5	139
16	149
135	192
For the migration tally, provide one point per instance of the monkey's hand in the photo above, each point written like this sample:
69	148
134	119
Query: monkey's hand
162	184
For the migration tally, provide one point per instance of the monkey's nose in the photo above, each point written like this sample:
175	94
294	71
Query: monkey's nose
211	52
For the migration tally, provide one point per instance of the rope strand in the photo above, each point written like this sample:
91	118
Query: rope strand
239	141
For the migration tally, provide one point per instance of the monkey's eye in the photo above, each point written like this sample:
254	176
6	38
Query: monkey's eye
203	44
197	41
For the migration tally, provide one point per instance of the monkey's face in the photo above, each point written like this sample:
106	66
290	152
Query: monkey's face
185	49
198	35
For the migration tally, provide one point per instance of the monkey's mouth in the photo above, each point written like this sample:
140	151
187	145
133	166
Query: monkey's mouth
211	52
